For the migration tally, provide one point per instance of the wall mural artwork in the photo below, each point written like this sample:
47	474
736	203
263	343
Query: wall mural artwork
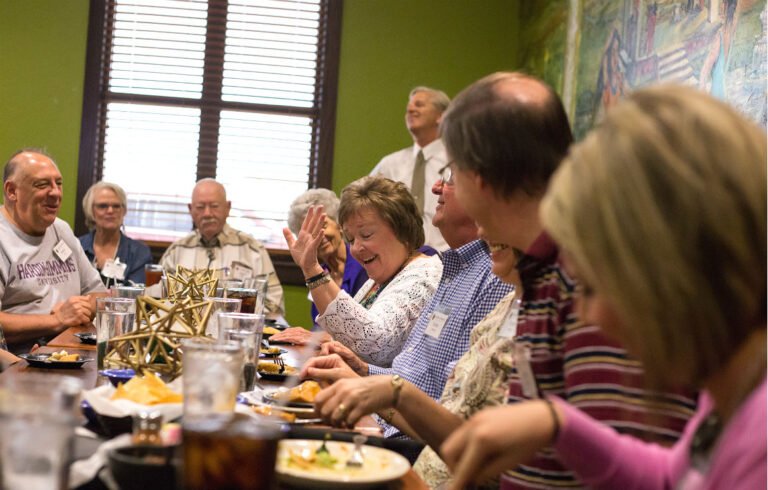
716	45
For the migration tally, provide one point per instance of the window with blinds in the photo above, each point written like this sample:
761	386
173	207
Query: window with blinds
239	90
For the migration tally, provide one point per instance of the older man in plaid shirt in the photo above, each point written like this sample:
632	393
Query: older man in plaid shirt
467	292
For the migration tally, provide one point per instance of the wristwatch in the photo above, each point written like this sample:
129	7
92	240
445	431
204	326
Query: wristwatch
397	385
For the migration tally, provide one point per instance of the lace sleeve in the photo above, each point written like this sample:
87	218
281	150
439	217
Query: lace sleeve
377	335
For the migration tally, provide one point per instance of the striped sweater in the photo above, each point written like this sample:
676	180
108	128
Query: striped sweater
577	363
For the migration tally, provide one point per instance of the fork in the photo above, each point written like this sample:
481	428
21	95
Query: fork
280	362
356	460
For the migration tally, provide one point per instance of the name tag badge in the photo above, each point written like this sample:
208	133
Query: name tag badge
114	269
437	321
241	271
509	327
62	251
524	370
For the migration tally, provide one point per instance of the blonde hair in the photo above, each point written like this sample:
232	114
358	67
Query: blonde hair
663	211
391	200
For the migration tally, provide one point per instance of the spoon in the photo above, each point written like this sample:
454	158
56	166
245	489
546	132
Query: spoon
356	460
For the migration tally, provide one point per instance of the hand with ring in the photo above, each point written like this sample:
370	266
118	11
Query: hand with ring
347	400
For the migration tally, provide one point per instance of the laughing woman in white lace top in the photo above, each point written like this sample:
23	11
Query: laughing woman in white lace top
383	226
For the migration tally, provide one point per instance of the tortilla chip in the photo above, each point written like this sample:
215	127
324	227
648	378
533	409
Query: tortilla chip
147	390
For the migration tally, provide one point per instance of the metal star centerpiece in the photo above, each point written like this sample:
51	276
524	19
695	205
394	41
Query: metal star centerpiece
188	283
161	325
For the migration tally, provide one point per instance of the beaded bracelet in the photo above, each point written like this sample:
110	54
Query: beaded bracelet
312	284
315	278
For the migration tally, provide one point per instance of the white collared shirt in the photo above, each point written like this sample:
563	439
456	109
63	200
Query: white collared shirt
399	166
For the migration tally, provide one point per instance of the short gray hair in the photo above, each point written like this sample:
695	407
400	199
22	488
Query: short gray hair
312	197
439	99
89	196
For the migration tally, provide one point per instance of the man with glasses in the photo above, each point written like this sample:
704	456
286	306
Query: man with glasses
215	245
417	166
46	282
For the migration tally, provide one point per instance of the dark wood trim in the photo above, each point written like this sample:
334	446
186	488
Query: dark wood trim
96	95
89	126
325	129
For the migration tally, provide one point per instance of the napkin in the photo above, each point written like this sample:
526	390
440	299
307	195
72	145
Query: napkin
99	399
85	470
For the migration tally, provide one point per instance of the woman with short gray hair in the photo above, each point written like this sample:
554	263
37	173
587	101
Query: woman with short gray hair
332	252
118	258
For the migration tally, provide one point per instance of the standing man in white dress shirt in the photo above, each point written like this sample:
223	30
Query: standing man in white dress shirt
421	163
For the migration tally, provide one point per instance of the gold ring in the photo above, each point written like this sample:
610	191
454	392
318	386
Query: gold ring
342	409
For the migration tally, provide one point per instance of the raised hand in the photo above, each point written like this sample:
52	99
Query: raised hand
304	246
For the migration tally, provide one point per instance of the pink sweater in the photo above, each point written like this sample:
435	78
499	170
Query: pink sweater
605	459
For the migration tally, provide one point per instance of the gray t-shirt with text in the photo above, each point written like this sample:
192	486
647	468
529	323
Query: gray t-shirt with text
33	279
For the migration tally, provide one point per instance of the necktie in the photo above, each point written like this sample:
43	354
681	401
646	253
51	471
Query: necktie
417	184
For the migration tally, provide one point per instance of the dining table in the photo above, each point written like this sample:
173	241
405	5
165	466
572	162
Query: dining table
88	373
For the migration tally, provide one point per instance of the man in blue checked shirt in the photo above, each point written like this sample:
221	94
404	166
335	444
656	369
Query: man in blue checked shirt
467	292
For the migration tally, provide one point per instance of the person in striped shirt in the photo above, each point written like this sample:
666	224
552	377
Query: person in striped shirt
507	134
661	212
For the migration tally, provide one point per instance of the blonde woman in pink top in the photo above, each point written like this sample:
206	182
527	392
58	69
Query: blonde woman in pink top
661	213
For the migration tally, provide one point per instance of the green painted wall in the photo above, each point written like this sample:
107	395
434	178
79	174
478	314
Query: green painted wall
42	66
390	46
387	47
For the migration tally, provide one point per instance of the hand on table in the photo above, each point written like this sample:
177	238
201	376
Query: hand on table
327	369
77	310
300	336
343	403
304	246
350	358
496	439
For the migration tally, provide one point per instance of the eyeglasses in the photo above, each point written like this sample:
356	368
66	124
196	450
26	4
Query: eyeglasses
446	174
103	206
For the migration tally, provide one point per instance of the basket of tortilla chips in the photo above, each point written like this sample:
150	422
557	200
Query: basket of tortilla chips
113	408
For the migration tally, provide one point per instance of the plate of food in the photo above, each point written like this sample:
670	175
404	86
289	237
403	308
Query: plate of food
272	371
278	414
269	331
271	351
301	396
272	322
296	399
56	360
86	337
300	463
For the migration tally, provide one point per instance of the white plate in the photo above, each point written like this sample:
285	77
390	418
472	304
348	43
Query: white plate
247	410
257	397
381	465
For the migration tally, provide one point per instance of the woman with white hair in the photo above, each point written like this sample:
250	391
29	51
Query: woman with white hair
332	252
119	259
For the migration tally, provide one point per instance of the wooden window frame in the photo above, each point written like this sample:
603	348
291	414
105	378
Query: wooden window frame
92	133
